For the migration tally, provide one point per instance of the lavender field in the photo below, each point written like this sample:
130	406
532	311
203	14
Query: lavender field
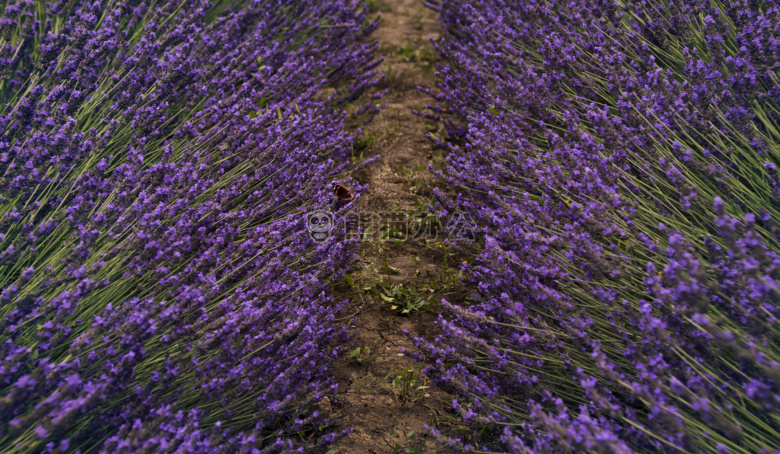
159	291
621	162
617	162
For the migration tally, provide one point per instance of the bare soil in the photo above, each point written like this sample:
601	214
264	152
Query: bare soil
382	394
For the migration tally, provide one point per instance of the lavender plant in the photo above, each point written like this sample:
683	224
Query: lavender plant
621	161
158	289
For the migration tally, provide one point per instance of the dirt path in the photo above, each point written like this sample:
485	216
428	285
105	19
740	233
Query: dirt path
382	393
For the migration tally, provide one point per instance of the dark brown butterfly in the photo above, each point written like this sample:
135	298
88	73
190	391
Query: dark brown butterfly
341	192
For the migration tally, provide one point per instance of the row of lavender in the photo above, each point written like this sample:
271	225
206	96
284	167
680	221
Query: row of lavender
620	158
159	291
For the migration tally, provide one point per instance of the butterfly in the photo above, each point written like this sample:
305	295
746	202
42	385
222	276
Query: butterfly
341	192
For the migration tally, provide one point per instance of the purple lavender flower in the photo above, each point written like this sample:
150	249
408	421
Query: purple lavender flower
159	289
617	160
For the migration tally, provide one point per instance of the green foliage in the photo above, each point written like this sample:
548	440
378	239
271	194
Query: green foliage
411	443
403	299
409	54
404	384
417	22
379	6
361	356
365	141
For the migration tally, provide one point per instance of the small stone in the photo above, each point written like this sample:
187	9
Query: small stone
325	405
